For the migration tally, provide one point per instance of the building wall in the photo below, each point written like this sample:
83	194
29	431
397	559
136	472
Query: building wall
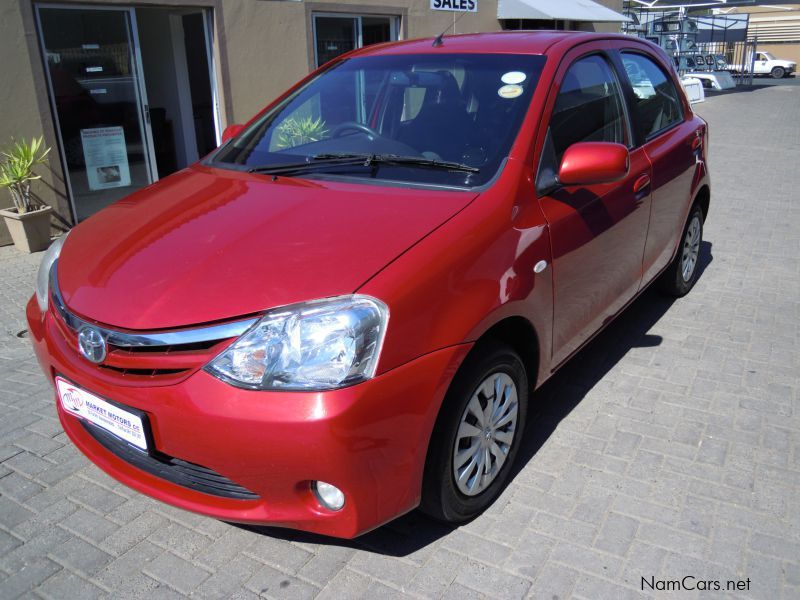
20	103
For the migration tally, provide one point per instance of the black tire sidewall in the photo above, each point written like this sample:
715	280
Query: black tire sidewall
776	70
441	498
681	286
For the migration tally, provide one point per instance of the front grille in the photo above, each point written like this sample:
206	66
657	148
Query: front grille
183	473
161	357
144	372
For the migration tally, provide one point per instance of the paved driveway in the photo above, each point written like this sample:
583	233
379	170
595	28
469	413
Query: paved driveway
669	448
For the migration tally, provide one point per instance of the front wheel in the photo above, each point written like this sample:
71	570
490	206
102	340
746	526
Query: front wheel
476	436
682	273
778	73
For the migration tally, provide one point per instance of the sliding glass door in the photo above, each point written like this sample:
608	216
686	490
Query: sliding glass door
335	34
98	97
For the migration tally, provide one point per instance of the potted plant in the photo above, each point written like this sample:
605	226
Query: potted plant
28	220
294	132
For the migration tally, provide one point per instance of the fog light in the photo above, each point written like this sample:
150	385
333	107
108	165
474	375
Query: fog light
329	495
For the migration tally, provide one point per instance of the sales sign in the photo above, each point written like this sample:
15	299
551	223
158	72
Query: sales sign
455	5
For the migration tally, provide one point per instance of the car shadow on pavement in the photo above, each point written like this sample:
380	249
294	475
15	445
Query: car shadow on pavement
549	406
564	391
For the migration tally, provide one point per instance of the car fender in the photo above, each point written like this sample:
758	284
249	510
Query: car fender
469	274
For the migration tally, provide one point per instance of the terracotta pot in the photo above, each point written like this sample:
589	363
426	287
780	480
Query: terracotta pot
31	230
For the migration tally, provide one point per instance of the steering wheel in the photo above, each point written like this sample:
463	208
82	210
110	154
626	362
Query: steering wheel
354	125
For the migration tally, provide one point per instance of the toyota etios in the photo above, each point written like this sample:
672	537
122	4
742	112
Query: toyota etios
342	312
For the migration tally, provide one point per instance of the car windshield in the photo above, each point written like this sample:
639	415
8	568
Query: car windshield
438	119
767	56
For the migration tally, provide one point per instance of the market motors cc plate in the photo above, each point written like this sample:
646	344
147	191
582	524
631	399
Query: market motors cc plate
85	405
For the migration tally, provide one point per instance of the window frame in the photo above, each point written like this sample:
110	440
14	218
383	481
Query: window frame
395	33
642	138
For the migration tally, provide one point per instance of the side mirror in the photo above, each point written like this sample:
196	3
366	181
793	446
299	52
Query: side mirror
231	131
588	163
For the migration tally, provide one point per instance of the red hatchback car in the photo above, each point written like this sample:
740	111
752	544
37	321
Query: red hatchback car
341	313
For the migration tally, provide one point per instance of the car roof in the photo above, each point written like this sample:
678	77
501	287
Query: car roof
500	42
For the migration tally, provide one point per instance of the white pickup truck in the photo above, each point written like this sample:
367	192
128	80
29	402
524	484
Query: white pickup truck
767	64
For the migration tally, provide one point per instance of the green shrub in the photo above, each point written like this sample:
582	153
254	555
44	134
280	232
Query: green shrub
16	171
295	132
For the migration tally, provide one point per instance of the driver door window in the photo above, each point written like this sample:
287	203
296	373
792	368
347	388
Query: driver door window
588	107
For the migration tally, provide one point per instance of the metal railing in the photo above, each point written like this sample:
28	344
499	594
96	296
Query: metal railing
738	56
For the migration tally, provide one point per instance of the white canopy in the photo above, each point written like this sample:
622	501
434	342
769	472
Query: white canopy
562	10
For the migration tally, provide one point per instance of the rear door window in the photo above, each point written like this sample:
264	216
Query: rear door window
657	105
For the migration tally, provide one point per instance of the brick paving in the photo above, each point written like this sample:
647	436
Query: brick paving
669	447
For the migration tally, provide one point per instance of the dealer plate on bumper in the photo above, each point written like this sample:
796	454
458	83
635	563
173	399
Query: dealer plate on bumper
112	418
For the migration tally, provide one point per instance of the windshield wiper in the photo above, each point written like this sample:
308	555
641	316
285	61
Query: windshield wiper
311	162
366	160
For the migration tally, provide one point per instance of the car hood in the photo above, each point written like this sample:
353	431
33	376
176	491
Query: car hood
206	244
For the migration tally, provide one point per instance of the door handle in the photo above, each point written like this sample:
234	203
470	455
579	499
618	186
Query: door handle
641	183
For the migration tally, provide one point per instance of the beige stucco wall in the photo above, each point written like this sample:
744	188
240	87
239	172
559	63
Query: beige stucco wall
269	43
19	101
265	43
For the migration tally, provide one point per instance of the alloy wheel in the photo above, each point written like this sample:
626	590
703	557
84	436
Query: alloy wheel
691	249
485	434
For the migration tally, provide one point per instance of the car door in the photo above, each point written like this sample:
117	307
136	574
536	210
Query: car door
597	232
670	137
761	63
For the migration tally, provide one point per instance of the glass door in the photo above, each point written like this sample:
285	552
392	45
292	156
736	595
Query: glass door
97	93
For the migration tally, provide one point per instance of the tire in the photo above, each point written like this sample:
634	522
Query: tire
778	73
682	273
443	497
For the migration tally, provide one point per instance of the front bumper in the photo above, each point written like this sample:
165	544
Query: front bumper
370	440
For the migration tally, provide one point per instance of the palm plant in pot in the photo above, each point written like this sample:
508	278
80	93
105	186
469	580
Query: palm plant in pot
28	220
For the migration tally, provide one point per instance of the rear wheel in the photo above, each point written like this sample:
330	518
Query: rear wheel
778	73
682	273
477	435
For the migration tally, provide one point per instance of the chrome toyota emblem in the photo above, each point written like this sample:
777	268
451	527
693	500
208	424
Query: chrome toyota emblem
92	344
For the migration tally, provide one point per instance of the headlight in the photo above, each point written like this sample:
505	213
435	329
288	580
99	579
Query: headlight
43	277
319	345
